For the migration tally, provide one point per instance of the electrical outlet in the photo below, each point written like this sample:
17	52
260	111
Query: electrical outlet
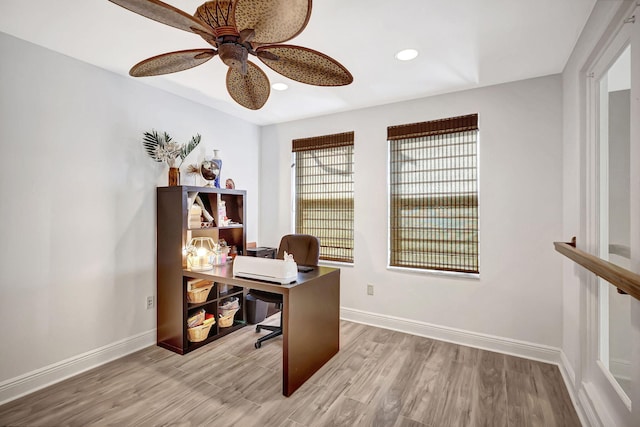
369	289
150	302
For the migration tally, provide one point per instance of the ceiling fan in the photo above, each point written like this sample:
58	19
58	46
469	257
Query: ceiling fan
237	29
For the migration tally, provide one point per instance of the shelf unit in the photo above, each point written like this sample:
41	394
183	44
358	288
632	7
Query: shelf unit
173	235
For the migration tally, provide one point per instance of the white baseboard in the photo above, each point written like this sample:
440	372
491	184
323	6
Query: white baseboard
567	372
594	407
588	408
457	336
585	415
43	377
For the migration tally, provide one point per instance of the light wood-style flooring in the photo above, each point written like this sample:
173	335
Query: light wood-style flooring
379	378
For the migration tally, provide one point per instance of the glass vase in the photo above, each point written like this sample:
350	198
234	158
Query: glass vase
218	162
210	170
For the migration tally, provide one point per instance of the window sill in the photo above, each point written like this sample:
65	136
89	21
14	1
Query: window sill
335	264
451	274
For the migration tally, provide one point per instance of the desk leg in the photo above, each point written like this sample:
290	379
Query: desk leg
311	329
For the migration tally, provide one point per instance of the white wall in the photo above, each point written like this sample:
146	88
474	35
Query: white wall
77	228
518	296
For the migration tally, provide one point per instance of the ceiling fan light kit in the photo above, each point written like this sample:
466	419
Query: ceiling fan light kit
236	29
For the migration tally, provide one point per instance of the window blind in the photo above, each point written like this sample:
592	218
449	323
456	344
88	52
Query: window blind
433	195
324	192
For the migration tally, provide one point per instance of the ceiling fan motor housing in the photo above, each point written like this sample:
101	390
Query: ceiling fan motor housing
234	55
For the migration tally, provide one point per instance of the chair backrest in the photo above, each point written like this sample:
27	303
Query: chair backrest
305	248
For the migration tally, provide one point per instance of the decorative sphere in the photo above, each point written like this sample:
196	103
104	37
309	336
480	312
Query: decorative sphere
209	170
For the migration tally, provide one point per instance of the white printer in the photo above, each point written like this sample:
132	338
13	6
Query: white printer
268	269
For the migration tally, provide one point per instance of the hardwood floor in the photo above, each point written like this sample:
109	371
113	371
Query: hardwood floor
379	378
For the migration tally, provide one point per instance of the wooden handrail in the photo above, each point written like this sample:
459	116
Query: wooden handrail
621	278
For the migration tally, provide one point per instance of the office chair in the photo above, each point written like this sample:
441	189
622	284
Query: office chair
305	249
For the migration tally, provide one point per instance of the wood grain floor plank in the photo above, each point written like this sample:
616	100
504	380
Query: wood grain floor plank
423	394
381	366
379	378
409	390
348	361
454	403
559	407
256	384
290	423
148	393
350	332
489	406
407	422
220	410
277	409
391	386
318	404
518	364
523	406
344	412
366	382
68	398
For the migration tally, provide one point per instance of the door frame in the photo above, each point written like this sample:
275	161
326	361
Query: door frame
598	387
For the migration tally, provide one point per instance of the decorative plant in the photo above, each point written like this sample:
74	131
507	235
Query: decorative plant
162	148
193	169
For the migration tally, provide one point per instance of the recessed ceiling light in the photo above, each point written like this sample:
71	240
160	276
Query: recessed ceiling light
279	86
406	55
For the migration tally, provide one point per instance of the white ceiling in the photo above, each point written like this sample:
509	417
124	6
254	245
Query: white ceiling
462	44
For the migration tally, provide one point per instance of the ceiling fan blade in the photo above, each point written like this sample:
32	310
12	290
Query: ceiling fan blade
172	62
250	90
304	65
246	35
274	21
166	14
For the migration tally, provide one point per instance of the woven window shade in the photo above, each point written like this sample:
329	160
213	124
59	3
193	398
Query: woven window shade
433	195
324	193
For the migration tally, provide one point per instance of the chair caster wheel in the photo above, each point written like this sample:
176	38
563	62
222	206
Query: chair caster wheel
258	328
257	344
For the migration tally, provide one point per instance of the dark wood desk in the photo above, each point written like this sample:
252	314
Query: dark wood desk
311	318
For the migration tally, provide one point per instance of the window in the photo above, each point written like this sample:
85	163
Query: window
324	193
433	195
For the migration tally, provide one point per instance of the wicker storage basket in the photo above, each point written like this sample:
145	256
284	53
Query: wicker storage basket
196	319
200	333
199	294
224	321
231	305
